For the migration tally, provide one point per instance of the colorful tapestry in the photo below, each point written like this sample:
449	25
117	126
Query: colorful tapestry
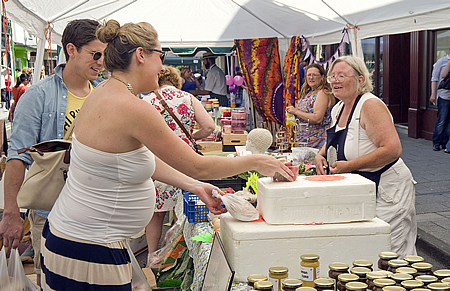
260	64
292	83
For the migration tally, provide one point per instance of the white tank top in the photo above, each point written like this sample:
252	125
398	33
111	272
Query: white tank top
107	197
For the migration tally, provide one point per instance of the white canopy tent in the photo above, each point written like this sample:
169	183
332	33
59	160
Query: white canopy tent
216	23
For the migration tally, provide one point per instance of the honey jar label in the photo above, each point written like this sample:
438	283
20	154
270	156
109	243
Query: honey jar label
309	274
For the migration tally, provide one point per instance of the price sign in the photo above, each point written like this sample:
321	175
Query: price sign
252	181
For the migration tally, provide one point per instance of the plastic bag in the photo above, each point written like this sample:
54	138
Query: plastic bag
18	279
238	207
247	195
154	259
138	280
4	277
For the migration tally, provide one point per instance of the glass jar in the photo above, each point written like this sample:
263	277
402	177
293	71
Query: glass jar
399	277
442	273
381	283
263	285
384	259
291	284
361	272
335	270
438	287
374	275
363	263
446	281
356	286
393	288
238	120
310	269
305	289
277	275
407	270
343	279
420	289
427	279
252	279
411	284
423	268
413	259
396	263
324	284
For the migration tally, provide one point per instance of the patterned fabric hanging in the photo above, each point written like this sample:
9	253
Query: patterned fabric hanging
260	64
291	72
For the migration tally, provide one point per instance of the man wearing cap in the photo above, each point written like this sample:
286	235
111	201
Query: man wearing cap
215	84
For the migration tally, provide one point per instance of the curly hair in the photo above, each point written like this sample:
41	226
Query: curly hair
183	70
171	76
322	86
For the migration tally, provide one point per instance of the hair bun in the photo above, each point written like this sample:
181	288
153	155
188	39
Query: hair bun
108	31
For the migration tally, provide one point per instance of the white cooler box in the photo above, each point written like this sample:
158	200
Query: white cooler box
352	198
254	247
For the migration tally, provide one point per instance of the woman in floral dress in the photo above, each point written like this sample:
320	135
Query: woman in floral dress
313	109
188	110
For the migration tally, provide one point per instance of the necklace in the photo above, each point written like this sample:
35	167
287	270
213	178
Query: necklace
130	88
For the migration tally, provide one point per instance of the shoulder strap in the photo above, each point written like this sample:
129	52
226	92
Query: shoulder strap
166	107
70	130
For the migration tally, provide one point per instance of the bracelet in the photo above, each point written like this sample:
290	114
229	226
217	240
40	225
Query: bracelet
308	121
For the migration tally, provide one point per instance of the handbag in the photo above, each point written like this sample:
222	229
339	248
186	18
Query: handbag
445	83
48	173
197	147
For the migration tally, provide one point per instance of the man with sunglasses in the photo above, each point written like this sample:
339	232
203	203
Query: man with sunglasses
45	112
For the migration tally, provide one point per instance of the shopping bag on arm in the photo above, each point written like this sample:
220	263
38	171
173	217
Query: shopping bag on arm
48	173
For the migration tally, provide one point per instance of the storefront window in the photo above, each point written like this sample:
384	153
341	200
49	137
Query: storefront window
442	44
373	57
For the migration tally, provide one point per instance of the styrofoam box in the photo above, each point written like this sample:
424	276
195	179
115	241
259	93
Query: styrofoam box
350	199
254	247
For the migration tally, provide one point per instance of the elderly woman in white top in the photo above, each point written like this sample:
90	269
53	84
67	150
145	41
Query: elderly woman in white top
363	140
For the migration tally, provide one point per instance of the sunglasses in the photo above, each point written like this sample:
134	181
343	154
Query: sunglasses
162	56
95	55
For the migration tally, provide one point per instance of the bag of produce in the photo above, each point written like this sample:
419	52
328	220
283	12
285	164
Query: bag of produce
238	207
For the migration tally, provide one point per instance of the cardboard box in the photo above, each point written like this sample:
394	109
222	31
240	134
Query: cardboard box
210	146
341	198
234	139
254	247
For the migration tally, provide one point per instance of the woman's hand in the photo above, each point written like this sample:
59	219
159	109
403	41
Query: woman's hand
268	166
320	163
341	167
204	192
290	109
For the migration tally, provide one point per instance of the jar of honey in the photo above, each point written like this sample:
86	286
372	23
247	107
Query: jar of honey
446	281
423	268
384	259
306	289
322	284
356	286
442	273
310	269
263	285
277	275
438	287
363	263
252	279
361	272
427	279
396	263
343	279
413	259
335	270
291	284
393	288
381	283
407	270
372	276
399	277
411	284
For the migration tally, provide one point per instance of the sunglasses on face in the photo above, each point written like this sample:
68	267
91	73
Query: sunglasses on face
162	56
95	55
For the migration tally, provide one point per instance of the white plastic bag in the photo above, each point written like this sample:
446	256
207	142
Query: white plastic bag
19	281
238	207
138	280
4	277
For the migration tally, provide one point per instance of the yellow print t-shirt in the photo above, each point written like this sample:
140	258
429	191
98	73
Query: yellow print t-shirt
74	104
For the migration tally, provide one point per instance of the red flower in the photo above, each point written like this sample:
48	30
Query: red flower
182	109
172	126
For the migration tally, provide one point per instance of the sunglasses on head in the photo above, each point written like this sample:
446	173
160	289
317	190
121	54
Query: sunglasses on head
162	56
95	55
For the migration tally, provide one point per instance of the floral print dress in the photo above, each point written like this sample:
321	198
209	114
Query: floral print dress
181	104
311	135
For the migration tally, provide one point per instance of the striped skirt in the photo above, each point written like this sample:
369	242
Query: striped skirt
68	263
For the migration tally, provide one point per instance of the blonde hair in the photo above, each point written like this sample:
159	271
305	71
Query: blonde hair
122	40
183	70
170	76
359	68
324	85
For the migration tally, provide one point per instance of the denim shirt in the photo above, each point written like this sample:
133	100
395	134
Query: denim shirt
40	116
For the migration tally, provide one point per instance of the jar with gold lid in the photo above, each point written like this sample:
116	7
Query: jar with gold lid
276	275
310	269
361	272
381	283
438	287
363	263
324	284
291	284
336	269
396	263
306	289
423	268
446	281
356	286
413	259
407	270
393	288
442	273
343	279
420	289
411	284
399	277
374	275
263	285
252	279
427	279
384	258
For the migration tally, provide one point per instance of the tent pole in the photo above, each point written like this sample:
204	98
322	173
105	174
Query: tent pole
39	59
